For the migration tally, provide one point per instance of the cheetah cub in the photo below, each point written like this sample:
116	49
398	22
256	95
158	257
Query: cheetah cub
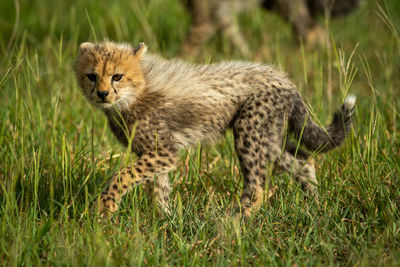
159	106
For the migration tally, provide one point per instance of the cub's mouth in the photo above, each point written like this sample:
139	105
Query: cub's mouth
106	103
103	103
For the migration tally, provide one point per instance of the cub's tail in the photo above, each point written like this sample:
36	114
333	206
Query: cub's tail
316	138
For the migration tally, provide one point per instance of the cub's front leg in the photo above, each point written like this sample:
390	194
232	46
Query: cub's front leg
151	165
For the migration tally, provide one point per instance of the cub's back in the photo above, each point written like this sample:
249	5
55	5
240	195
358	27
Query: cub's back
176	78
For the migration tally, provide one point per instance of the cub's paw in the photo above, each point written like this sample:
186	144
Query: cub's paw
105	206
242	212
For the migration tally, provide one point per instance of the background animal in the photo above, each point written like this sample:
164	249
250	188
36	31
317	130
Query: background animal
211	16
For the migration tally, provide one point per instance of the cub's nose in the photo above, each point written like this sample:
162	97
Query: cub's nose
102	94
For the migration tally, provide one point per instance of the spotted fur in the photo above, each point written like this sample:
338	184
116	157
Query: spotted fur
170	104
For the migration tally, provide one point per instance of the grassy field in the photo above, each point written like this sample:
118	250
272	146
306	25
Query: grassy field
56	153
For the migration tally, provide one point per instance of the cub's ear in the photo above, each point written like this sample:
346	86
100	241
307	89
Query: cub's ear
140	50
83	47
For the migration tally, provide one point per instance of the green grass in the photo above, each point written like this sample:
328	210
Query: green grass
56	153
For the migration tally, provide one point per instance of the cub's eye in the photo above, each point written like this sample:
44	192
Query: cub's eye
117	77
91	77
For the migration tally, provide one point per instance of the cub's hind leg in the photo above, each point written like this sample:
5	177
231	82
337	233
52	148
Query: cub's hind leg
302	170
253	165
255	129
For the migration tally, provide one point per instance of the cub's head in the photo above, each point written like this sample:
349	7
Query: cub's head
110	74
